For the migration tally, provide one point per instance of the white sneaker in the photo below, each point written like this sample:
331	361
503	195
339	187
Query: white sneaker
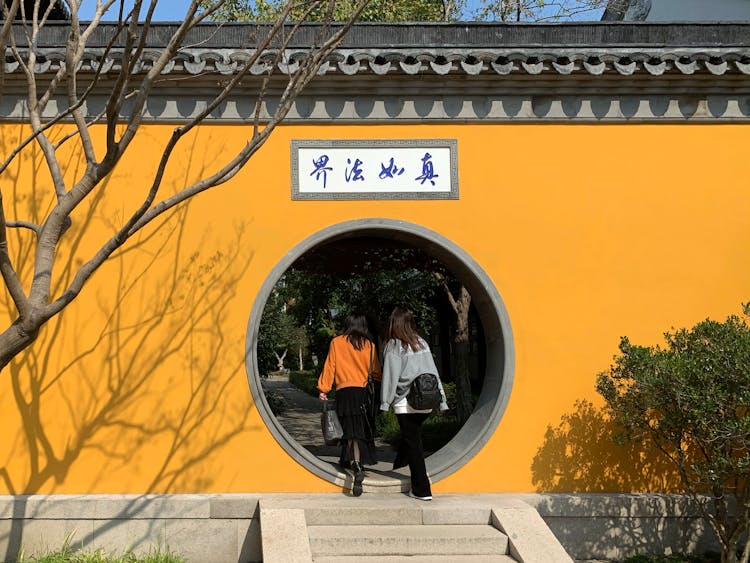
412	495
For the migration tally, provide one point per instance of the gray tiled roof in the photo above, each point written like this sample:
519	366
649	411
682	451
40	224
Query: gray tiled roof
473	72
443	49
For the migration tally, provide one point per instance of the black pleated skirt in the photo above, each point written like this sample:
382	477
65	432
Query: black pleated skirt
358	430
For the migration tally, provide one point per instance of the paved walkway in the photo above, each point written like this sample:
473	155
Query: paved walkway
302	420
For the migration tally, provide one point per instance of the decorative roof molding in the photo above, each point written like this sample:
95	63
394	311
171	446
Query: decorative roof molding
469	48
533	61
423	72
624	61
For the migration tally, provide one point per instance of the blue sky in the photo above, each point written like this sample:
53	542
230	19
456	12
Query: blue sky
166	10
173	10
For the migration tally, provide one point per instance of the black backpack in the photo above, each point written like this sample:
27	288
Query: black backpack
424	392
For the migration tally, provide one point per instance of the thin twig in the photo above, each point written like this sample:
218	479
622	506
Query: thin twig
24	225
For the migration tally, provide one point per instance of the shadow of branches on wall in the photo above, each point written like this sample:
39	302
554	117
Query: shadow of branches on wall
580	456
148	395
140	383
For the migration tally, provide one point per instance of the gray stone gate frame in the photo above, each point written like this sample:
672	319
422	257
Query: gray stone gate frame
498	378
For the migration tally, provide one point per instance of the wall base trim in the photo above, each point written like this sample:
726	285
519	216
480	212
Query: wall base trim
226	527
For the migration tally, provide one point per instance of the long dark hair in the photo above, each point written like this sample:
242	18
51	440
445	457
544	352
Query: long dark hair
402	327
355	330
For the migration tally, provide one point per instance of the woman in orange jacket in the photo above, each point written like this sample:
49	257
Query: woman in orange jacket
351	356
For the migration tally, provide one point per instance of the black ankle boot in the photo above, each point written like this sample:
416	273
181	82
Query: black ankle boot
359	476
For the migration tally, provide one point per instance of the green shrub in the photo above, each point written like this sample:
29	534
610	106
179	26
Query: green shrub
450	394
307	381
437	430
386	426
276	402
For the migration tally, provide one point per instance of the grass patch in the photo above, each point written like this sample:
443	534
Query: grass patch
676	558
68	554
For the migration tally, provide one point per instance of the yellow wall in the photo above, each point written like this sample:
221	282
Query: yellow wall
589	232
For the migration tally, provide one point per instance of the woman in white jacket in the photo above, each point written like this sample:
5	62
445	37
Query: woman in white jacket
406	356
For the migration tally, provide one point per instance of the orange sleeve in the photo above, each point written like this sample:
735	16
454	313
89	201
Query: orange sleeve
325	381
377	372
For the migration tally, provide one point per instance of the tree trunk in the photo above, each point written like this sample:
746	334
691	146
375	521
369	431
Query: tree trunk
464	405
464	402
729	553
301	363
746	551
13	341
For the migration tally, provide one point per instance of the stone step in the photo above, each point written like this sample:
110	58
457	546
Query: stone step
415	559
389	510
396	515
403	540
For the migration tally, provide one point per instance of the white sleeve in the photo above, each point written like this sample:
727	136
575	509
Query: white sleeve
391	372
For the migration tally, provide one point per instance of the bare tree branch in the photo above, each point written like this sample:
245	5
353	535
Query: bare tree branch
23	225
35	108
96	119
147	213
128	84
8	272
81	99
76	46
9	14
53	227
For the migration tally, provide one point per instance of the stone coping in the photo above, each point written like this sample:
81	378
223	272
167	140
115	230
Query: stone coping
443	35
245	505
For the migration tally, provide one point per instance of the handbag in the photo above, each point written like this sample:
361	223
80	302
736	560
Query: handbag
371	406
372	390
424	392
330	424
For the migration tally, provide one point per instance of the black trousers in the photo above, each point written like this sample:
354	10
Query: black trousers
411	453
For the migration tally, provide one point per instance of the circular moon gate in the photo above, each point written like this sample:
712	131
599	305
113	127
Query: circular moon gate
498	378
